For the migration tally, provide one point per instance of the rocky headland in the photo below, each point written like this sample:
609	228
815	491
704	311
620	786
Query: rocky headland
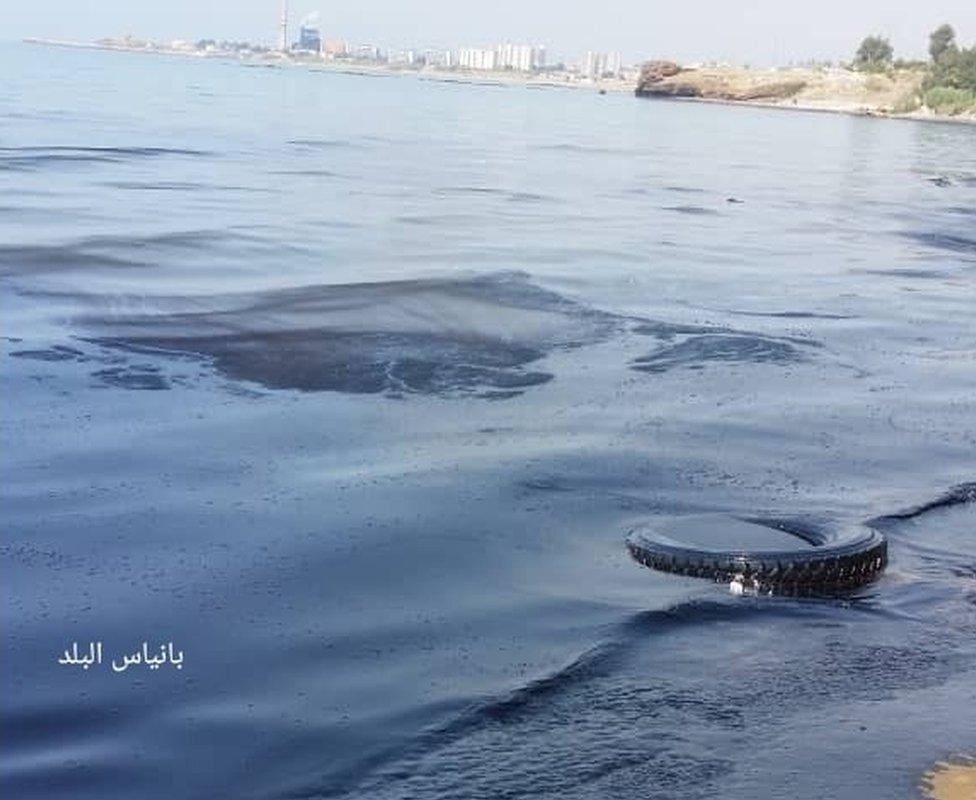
892	93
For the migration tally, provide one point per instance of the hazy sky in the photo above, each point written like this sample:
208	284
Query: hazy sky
753	31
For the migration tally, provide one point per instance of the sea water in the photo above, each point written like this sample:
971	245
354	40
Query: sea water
350	387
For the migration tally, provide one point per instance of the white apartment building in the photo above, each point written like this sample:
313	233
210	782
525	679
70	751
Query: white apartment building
599	65
516	57
480	58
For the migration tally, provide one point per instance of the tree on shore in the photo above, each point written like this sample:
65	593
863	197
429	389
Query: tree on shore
956	68
942	41
874	55
950	85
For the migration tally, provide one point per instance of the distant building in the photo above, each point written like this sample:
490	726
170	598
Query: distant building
368	52
478	58
515	57
600	65
408	57
309	39
444	59
335	48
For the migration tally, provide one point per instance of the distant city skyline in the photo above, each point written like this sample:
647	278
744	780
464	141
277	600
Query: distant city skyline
762	32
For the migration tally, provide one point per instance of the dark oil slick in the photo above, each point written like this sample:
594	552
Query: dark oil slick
351	389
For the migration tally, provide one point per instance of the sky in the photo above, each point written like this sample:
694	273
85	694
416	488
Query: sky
758	32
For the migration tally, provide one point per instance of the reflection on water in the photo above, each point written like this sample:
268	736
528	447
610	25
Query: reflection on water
352	389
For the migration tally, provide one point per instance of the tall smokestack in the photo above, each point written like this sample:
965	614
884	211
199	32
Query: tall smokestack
283	27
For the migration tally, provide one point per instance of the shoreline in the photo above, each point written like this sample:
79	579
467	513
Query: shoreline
607	86
838	110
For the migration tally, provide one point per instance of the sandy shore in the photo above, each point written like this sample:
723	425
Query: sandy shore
951	782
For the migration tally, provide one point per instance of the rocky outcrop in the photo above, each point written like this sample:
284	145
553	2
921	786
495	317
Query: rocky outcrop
894	93
668	79
656	71
669	89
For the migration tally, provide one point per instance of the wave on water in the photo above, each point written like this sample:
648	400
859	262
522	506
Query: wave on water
952	242
791	315
323	144
575	147
185	186
616	722
34	158
696	352
695	211
24	261
531	710
958	495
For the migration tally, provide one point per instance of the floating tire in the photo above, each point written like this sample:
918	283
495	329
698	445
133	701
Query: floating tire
824	562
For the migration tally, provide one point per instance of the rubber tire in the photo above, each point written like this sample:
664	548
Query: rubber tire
841	561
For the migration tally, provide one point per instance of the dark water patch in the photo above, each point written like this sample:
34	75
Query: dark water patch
958	495
28	554
11	213
791	315
439	337
603	726
698	211
179	239
28	260
132	377
433	220
363	363
55	353
470	190
683	189
907	272
968	211
121	251
666	331
696	352
640	715
498	394
183	186
138	152
522	743
37	158
944	241
545	484
308	173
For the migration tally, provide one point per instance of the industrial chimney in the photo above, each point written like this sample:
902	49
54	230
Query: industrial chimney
283	27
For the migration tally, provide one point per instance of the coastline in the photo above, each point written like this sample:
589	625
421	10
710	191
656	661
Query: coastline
604	86
841	110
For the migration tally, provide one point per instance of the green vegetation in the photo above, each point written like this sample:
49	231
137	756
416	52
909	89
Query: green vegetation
946	100
874	55
949	83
